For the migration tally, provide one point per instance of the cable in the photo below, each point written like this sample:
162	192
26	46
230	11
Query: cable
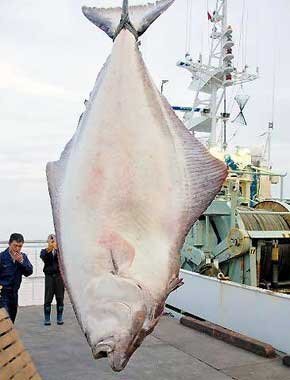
241	33
245	38
208	37
234	134
240	44
186	26
274	79
190	26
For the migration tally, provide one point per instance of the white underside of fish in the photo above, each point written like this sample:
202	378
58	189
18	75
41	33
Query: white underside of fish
124	194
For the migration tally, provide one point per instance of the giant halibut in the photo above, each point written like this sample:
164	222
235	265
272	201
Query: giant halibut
125	192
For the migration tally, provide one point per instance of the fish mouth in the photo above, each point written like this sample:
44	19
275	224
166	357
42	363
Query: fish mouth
106	350
103	348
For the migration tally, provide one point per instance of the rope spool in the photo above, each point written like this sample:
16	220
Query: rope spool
256	222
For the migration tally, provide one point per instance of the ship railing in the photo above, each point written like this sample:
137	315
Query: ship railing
263	172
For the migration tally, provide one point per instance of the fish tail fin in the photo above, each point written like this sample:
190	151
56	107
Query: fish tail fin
142	16
136	19
107	19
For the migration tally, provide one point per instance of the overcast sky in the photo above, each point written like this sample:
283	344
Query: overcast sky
51	55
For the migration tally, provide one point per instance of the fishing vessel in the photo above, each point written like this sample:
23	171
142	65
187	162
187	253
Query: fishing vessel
241	244
245	232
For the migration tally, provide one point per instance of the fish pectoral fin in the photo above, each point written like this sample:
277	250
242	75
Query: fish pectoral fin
122	253
175	284
121	261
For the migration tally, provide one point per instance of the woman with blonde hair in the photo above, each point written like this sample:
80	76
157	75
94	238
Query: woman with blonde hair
54	285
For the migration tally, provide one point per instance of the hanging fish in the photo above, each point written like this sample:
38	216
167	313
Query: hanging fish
125	192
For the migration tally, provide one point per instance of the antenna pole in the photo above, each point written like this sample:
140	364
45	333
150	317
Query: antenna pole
209	81
225	144
270	129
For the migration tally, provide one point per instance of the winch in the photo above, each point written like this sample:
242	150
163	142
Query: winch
246	241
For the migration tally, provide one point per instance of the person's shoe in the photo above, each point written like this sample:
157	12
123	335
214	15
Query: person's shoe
59	311
47	310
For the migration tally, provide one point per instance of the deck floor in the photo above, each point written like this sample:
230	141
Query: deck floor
172	352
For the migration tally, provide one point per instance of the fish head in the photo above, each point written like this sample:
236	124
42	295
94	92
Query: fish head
118	321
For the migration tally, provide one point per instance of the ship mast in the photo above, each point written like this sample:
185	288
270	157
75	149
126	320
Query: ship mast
210	81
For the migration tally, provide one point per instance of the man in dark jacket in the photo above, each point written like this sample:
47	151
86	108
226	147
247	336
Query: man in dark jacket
53	282
13	264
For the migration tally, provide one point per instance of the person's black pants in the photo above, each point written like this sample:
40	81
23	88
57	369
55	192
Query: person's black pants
53	287
9	300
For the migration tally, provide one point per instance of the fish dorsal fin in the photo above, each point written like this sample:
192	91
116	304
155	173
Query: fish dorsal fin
136	19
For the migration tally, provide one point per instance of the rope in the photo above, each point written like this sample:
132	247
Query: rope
208	35
190	25
275	58
235	90
187	27
241	33
245	39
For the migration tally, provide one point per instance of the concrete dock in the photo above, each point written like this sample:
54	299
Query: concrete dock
172	352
